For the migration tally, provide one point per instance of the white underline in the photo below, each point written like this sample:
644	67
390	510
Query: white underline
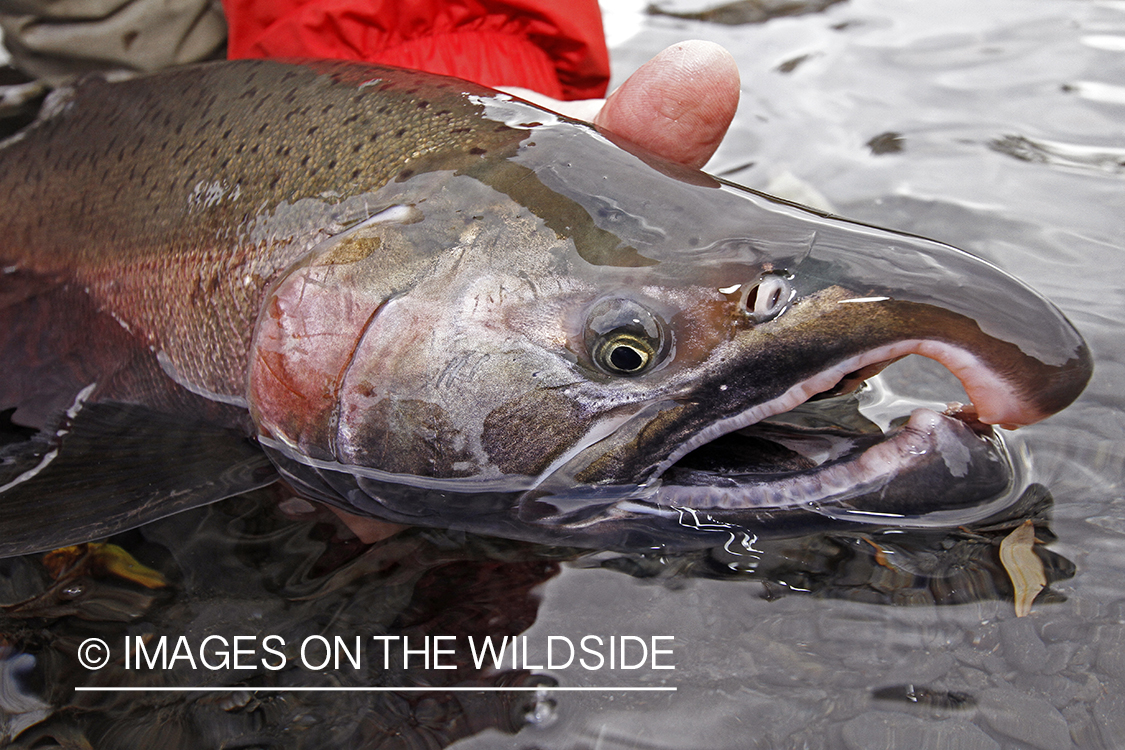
301	689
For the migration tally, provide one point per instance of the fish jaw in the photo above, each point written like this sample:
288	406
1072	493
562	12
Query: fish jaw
888	480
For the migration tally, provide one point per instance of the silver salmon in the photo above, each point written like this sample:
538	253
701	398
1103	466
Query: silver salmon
424	301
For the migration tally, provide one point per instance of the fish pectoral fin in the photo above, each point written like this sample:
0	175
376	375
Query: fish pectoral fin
110	467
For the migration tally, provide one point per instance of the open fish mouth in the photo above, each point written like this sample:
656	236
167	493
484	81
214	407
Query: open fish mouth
825	456
819	467
832	462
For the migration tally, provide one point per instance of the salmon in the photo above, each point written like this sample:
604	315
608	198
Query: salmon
424	301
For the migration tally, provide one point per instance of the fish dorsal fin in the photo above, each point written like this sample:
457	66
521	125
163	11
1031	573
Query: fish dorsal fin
110	467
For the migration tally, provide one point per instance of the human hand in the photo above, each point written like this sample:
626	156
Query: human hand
678	105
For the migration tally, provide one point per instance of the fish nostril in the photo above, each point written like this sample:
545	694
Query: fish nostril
768	298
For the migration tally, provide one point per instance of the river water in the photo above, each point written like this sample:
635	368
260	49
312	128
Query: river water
998	127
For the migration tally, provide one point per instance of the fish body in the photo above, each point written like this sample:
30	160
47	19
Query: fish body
431	303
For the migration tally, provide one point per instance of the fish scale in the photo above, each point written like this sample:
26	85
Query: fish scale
189	165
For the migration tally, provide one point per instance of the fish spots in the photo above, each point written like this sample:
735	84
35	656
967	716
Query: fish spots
210	284
478	151
366	389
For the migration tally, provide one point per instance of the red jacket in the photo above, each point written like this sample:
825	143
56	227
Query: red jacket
554	47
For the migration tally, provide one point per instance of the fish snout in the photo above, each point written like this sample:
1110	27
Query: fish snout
1008	385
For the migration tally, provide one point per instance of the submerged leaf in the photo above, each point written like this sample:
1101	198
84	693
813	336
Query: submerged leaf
1023	566
101	558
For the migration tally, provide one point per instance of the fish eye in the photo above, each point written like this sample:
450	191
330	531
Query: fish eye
768	298
624	354
625	338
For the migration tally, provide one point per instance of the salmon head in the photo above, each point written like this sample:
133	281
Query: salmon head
565	338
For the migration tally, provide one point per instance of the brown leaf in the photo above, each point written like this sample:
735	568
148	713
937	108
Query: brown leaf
1023	566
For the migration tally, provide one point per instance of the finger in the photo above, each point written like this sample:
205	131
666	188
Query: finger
679	104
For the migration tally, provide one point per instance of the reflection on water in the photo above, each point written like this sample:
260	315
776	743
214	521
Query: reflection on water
991	126
931	567
247	570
